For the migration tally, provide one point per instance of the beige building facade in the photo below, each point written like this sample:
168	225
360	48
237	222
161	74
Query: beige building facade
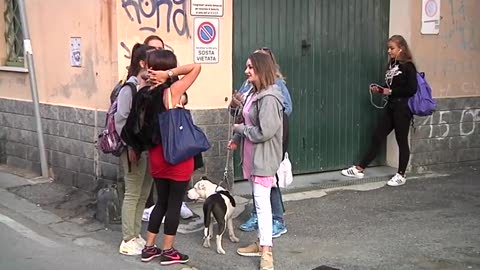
74	97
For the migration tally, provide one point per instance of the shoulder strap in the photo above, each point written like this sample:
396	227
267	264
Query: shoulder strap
169	106
133	87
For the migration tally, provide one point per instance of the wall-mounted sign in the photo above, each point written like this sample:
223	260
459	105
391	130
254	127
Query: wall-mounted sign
75	52
430	17
205	42
206	8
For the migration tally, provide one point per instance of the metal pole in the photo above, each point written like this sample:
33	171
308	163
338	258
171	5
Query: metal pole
27	45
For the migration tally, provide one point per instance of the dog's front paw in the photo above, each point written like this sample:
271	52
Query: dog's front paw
234	239
220	250
206	243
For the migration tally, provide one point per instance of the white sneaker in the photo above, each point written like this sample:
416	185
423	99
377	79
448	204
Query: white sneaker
130	248
353	172
397	180
140	241
146	213
185	212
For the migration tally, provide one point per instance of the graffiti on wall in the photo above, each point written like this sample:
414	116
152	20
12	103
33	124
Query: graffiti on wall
166	14
467	124
176	15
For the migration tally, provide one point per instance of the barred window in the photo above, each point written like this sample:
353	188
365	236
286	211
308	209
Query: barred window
13	34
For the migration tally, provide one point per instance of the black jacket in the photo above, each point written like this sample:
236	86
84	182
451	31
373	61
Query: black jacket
402	79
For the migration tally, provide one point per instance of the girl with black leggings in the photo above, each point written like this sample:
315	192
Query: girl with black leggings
401	84
171	181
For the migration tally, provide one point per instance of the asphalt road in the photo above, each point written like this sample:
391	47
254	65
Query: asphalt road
24	248
430	223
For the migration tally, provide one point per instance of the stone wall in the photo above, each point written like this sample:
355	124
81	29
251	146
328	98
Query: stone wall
70	134
448	138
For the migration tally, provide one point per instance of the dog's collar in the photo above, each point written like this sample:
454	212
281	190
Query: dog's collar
218	185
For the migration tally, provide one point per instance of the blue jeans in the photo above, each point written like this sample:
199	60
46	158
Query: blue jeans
277	204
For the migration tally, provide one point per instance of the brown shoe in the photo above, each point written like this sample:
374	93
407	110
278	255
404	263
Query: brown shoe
252	250
266	263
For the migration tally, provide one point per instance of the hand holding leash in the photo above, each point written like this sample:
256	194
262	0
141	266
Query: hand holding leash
232	145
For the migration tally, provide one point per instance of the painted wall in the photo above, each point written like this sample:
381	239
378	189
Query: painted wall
2	40
171	20
450	59
108	28
50	32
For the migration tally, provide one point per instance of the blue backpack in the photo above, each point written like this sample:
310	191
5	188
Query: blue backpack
422	103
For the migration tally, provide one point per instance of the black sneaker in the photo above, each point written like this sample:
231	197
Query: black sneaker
172	256
150	253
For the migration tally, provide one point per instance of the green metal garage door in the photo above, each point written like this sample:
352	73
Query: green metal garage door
329	51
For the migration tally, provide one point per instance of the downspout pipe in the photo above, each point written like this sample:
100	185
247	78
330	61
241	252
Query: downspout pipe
27	45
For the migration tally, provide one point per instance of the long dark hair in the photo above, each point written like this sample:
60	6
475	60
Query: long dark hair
162	60
139	53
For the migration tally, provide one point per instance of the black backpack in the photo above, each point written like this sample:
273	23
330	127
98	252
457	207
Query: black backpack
141	131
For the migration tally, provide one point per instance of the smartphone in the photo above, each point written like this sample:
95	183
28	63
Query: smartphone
379	87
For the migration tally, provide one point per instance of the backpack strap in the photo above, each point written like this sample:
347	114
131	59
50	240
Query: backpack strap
133	88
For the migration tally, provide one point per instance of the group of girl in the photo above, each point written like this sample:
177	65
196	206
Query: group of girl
261	134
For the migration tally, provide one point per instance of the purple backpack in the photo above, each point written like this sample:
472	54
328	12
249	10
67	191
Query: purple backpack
109	140
422	103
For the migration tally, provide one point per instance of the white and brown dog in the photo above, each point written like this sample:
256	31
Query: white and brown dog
220	204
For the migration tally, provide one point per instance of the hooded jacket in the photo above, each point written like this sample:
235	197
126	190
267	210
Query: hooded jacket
266	131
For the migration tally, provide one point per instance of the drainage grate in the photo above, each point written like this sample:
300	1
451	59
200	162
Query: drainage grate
335	184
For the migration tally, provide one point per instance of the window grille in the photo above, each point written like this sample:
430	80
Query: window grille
13	34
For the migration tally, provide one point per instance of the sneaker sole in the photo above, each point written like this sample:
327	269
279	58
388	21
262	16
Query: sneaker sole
129	254
249	254
150	258
280	234
173	262
353	176
395	185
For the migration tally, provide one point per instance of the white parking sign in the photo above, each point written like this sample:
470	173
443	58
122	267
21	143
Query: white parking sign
205	42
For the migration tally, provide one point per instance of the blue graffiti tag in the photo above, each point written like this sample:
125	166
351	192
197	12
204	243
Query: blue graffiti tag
149	8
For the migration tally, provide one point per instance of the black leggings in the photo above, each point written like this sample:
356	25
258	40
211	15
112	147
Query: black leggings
170	197
397	117
150	202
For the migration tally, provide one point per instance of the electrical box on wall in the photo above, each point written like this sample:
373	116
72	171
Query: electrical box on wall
75	52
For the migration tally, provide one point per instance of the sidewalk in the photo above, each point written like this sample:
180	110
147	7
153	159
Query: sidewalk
84	231
69	204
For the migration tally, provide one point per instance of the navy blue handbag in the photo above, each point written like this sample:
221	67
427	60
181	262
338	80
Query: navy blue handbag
181	138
